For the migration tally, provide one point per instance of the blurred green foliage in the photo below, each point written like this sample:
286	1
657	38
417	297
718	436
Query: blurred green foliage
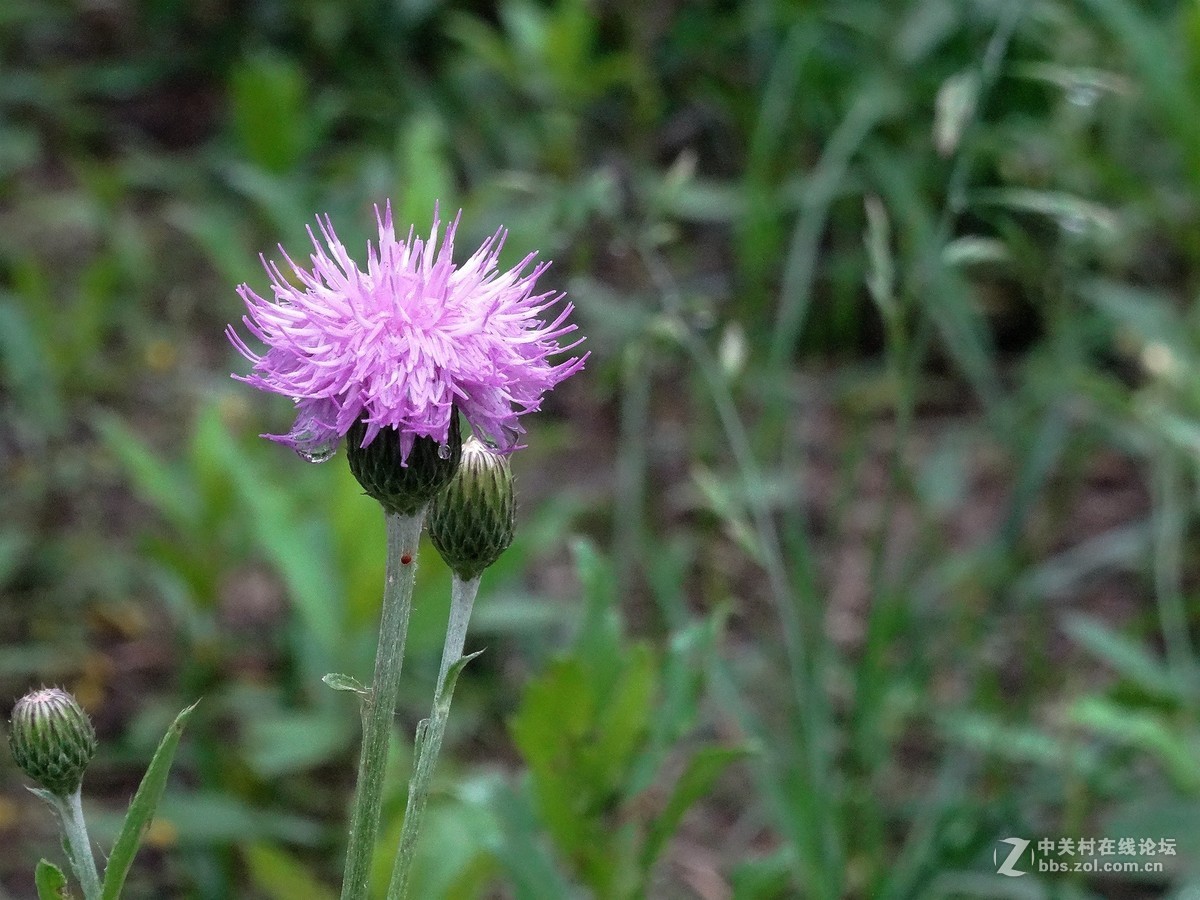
885	453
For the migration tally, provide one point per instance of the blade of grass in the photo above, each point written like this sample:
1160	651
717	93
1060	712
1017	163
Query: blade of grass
870	106
1168	89
819	834
1170	527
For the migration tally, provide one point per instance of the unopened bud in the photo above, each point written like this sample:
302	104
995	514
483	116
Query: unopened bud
52	739
471	521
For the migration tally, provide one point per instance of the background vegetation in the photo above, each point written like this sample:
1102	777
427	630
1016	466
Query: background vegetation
866	540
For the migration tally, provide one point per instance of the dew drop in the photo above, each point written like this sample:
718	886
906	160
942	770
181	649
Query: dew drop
317	455
317	452
443	451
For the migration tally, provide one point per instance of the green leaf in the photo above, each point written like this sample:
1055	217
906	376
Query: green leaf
1018	743
141	809
1162	82
1150	315
451	678
455	857
955	109
425	174
944	296
268	94
523	852
881	276
51	882
25	370
1072	213
729	508
340	682
297	545
281	876
279	742
1126	657
598	643
1077	81
702	772
764	877
554	721
198	819
971	250
624	717
1145	731
156	482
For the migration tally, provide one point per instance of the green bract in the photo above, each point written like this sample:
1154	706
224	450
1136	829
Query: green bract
52	739
471	521
402	489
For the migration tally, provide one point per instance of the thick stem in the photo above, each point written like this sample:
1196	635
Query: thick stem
77	843
431	732
379	707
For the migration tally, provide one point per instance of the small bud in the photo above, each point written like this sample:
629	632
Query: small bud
52	739
471	521
405	488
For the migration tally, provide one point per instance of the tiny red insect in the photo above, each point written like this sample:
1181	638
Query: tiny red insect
405	559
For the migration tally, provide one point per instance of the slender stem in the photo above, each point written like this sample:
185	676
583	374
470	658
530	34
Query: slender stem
379	707
77	843
431	731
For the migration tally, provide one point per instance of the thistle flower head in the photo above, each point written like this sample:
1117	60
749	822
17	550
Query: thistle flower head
405	342
52	739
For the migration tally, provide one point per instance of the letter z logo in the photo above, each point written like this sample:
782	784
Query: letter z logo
1006	867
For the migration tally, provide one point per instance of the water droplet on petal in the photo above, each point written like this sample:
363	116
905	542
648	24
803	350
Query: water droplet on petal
317	452
443	451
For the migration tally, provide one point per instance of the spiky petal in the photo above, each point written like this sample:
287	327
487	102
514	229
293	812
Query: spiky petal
404	343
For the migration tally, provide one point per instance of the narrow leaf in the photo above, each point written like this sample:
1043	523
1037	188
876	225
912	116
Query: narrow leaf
954	110
45	796
452	676
971	250
156	481
702	772
1072	213
1125	656
51	882
281	876
340	682
881	277
1141	730
141	809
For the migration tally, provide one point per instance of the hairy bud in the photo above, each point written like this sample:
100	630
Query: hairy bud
52	739
471	521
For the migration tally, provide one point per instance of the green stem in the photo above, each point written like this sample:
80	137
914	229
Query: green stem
77	844
379	707
431	731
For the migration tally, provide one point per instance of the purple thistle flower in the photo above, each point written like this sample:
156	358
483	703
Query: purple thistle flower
404	343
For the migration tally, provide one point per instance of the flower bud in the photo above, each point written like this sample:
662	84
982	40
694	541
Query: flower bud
471	521
52	739
403	486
